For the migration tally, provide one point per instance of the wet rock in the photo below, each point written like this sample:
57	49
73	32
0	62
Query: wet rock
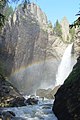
31	101
9	115
19	101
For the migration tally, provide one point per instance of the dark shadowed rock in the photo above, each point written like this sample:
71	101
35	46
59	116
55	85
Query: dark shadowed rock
31	101
67	99
9	115
9	96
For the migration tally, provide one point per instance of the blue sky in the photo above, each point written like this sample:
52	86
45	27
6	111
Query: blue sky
57	9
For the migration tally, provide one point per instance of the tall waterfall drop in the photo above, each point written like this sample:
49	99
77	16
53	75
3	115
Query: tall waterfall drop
65	66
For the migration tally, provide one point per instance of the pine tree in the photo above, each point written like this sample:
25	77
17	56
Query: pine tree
57	29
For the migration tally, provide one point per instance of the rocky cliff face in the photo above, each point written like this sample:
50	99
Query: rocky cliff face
27	50
65	28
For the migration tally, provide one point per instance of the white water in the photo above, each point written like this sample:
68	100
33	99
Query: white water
42	111
65	66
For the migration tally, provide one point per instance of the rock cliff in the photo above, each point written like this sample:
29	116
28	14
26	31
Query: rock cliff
65	28
29	50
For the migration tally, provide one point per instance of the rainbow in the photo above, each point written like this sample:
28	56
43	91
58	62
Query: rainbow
34	64
23	68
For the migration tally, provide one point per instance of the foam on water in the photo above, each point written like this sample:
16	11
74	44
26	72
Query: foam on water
42	111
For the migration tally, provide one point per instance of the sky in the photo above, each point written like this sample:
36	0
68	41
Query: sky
57	9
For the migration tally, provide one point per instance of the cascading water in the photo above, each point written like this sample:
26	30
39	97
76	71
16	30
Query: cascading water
65	66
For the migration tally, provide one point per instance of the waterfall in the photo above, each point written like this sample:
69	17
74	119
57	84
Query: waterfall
65	66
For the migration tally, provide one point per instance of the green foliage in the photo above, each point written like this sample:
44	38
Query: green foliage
2	4
2	17
72	33
58	29
50	24
8	11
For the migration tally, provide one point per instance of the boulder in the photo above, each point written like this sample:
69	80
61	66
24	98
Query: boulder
19	101
31	101
9	115
9	95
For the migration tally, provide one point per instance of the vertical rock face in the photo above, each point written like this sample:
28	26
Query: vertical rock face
20	36
38	13
65	28
29	49
25	50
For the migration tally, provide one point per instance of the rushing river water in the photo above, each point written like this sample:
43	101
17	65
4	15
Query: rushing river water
42	111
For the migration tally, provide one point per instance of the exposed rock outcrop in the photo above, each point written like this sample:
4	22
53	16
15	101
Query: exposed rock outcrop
9	96
44	93
65	29
29	50
32	101
47	93
67	99
26	51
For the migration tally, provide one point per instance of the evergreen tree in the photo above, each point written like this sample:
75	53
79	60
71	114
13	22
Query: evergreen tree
57	29
2	5
76	22
2	17
50	24
8	11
